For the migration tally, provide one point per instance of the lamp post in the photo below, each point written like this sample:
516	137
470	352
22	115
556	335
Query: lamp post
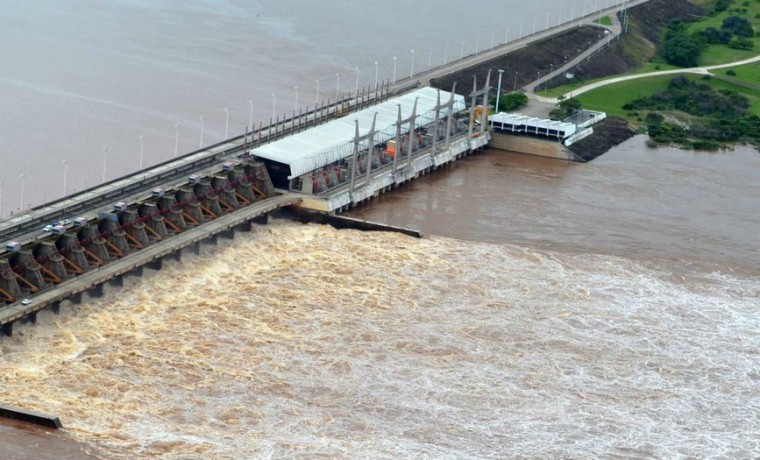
506	35
461	50
274	105
295	104
226	121
200	142
337	86
547	21
446	55
1	199
411	70
430	59
23	181
514	83
493	35
250	114
65	164
376	70
176	139
316	99
498	90
142	139
395	61
356	86
105	162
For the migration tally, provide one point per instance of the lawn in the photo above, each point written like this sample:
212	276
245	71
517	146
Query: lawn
605	21
719	54
611	98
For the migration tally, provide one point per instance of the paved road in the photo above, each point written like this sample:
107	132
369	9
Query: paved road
704	70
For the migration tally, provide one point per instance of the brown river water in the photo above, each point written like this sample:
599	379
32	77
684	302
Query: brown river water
553	310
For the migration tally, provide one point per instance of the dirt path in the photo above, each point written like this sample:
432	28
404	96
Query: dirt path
704	70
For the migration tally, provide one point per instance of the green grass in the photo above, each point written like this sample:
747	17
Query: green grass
611	98
605	21
720	54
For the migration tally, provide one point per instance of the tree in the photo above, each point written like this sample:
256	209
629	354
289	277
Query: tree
737	25
715	36
741	43
681	49
512	101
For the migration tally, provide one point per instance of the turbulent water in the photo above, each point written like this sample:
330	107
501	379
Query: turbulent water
554	310
307	342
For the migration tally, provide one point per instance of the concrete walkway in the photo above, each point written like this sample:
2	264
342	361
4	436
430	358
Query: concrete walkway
704	70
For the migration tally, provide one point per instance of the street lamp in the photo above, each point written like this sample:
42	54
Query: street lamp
395	61
337	86
226	121
274	105
1	199
105	162
316	99
200	142
141	151
411	71
23	180
547	21
250	114
356	86
498	90
461	50
446	55
514	83
376	70
65	164
176	139
295	104
430	59
534	24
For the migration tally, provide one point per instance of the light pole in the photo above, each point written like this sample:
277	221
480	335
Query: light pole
356	86
547	21
446	55
411	70
521	27
226	121
430	59
1	199
376	71
477	45
534	24
200	142
176	139
461	50
337	86
395	61
65	164
514	83
142	139
498	90
316	99
493	35
250	114
274	105
23	181
506	35
105	162
295	104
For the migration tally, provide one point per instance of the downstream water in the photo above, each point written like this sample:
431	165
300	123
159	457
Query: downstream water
554	310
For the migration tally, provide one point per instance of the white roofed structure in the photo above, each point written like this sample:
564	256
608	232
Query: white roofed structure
331	142
522	124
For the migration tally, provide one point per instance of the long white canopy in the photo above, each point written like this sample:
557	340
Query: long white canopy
333	141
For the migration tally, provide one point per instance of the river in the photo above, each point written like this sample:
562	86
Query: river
554	310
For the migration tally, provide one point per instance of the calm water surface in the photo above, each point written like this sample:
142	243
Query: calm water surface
556	310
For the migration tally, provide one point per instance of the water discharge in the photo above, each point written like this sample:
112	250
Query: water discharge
307	342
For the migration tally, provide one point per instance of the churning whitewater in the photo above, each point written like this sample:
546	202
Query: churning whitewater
301	341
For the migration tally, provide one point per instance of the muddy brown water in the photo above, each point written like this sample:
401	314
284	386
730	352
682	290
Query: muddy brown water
555	310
